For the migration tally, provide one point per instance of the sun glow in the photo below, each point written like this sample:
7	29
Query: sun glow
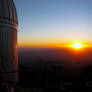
77	45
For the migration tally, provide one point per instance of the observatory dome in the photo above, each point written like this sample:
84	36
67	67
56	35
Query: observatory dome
8	43
8	11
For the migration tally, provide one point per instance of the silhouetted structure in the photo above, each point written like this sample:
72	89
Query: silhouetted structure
3	85
8	42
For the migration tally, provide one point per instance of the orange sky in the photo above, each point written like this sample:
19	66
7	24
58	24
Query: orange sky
52	44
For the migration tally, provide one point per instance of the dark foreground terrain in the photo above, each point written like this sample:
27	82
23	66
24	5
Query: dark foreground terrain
53	73
53	79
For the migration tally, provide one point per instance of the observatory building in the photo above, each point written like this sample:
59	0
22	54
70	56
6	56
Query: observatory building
8	43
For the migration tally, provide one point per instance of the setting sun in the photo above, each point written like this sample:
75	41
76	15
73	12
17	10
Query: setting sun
77	45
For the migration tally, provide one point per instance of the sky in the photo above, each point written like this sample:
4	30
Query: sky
53	22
